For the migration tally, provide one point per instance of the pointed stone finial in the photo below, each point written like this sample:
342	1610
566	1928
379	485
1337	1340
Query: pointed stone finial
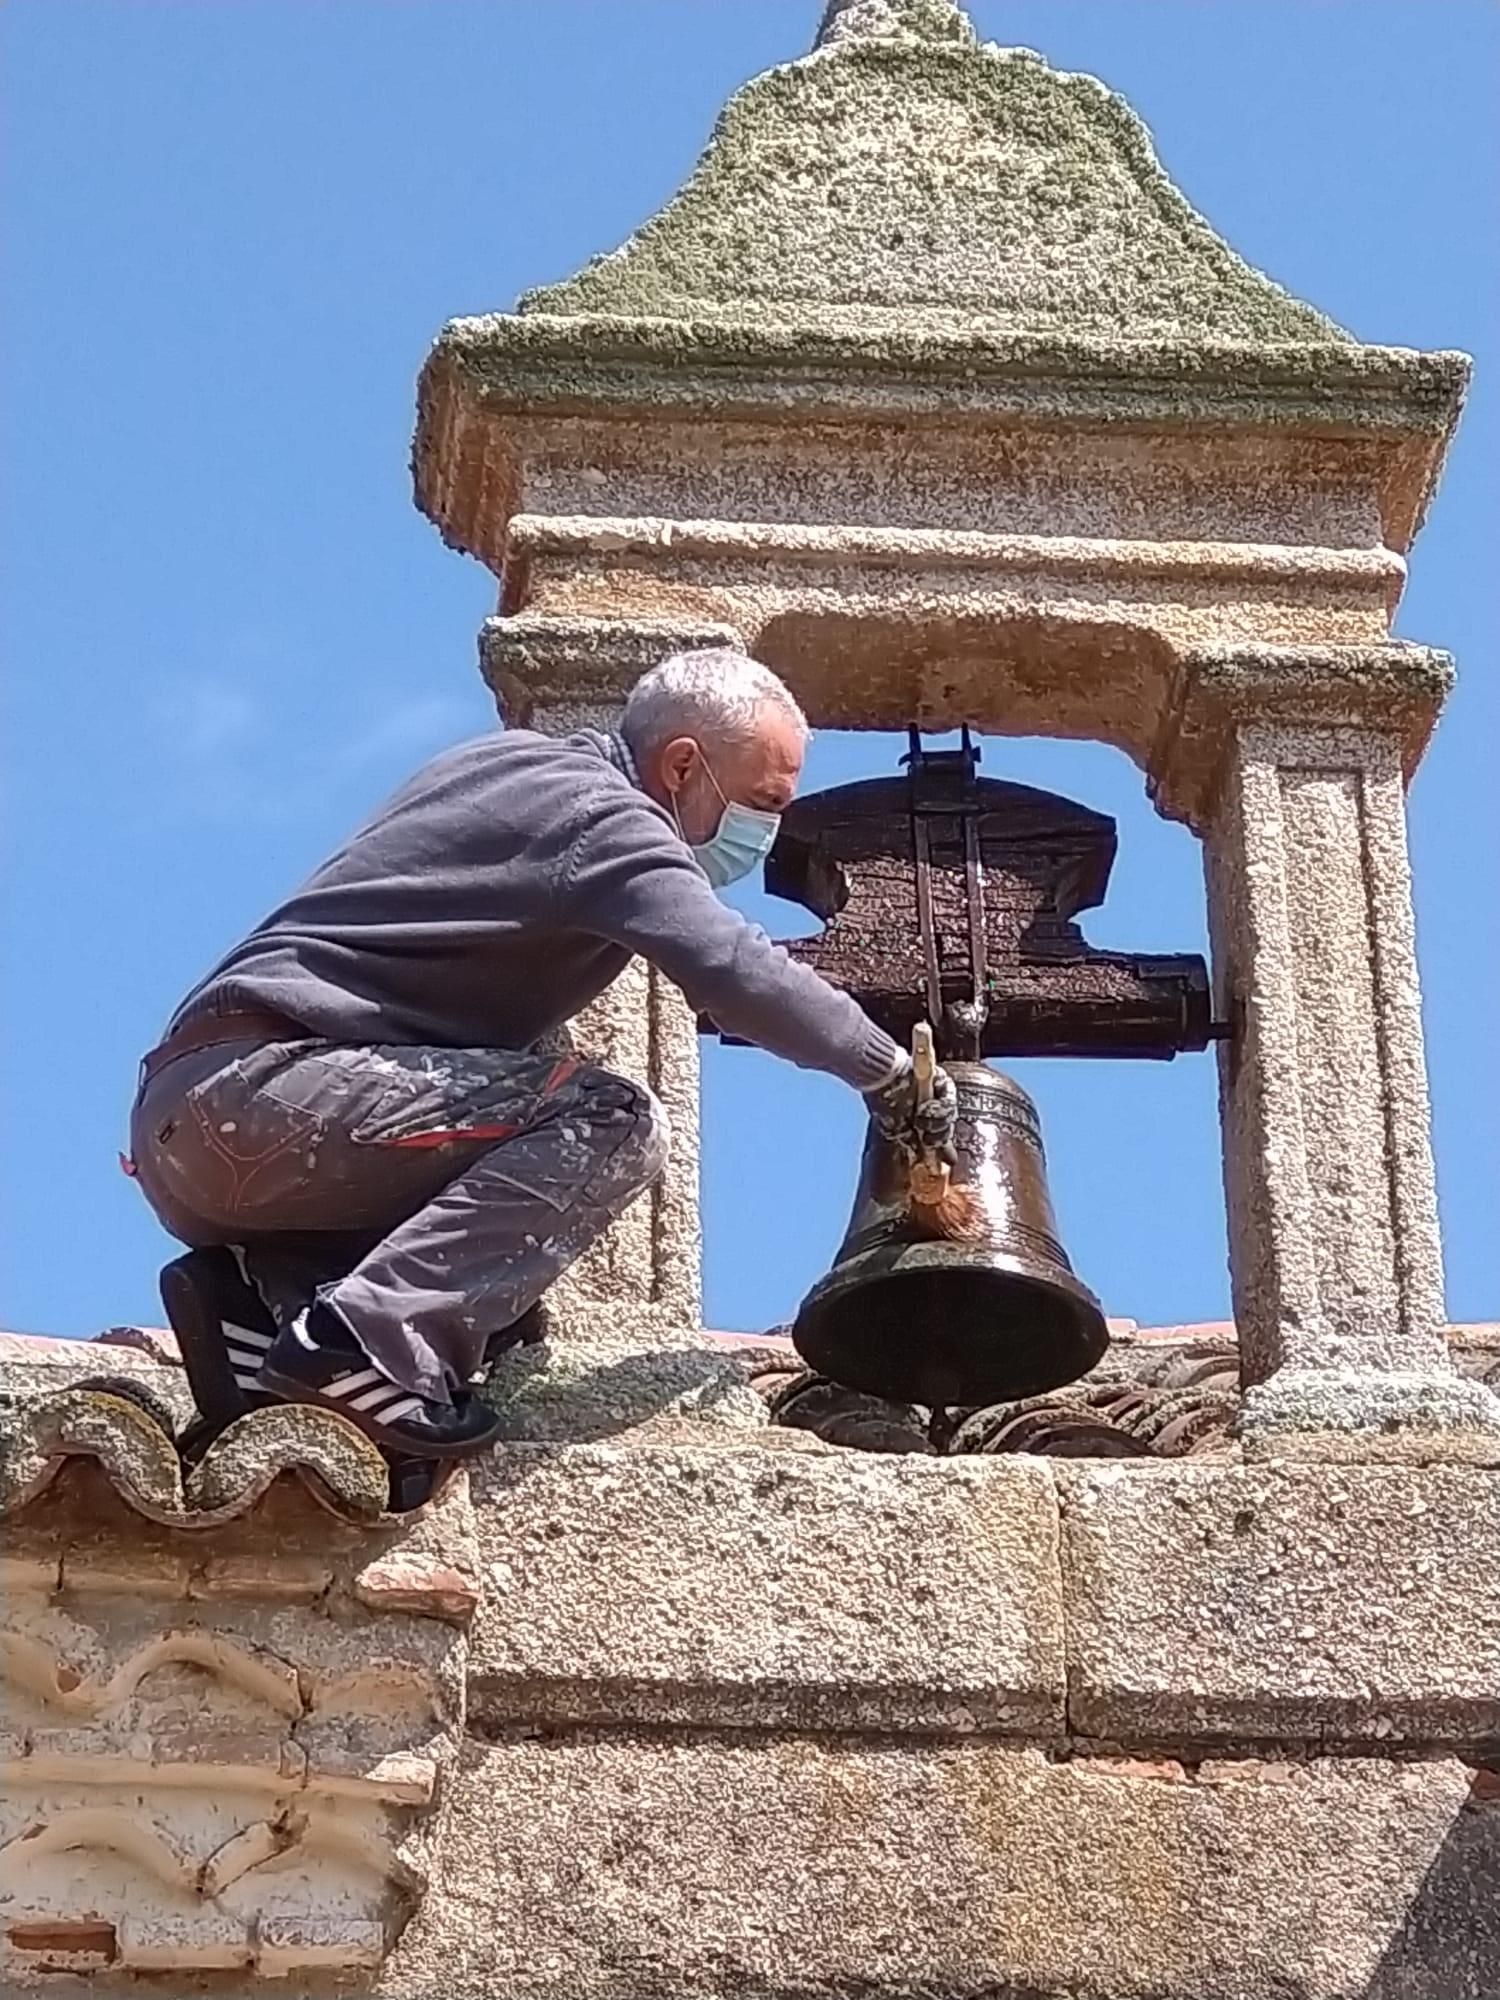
894	20
821	203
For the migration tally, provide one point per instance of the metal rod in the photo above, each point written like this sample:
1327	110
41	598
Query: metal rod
925	919
921	850
974	886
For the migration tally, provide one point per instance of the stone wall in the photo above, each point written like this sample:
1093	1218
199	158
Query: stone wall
820	1723
658	1700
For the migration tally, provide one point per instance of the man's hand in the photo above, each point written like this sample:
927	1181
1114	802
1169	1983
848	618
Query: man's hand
914	1127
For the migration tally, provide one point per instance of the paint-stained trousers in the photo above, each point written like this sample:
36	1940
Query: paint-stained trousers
429	1195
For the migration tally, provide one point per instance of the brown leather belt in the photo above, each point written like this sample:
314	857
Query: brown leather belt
208	1030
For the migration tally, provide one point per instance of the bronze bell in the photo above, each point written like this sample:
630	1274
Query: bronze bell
941	1323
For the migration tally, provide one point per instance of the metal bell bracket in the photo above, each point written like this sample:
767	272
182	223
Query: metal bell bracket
952	898
951	825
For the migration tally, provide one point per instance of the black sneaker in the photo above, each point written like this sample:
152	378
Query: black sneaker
317	1360
223	1330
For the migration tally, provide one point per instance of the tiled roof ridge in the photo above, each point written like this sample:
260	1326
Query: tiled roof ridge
1162	1392
128	1432
151	1345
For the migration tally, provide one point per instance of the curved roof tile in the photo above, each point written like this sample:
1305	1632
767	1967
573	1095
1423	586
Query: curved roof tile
129	1435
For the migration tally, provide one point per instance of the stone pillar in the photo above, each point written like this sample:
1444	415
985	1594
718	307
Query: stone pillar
560	674
653	1256
1292	764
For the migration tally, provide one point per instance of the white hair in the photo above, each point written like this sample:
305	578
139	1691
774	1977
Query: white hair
717	694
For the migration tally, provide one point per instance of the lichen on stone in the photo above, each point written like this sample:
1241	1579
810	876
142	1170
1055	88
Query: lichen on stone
900	173
912	20
338	1465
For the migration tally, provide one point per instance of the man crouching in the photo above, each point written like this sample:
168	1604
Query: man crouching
350	1119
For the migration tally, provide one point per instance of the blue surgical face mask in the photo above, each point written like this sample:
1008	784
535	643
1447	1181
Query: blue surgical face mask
741	843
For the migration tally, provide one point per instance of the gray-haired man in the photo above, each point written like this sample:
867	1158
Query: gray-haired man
351	1120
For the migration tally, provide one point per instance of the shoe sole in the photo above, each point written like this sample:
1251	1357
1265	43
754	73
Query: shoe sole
287	1389
200	1339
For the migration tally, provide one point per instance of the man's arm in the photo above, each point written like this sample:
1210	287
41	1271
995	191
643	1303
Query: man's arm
629	879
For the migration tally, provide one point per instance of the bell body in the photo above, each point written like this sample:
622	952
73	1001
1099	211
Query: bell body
916	1320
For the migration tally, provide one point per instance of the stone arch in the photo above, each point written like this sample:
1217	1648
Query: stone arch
1023	674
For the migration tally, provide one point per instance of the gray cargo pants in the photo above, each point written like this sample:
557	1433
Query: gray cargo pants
429	1195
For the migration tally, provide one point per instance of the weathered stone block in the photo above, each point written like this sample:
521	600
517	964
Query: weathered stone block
174	1941
1410	1417
1354	1602
768	229
605	1371
302	1944
612	1868
420	1584
670	1583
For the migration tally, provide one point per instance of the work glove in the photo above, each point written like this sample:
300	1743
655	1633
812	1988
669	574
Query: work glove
914	1127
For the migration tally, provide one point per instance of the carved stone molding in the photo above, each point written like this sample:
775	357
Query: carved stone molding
224	1729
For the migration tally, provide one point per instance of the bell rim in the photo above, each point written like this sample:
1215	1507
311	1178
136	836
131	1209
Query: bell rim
1089	1325
925	1254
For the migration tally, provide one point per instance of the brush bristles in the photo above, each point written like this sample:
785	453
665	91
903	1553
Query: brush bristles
955	1215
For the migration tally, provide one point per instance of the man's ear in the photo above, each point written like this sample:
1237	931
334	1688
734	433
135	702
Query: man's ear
677	761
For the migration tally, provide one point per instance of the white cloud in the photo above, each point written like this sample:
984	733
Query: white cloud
205	718
224	752
412	728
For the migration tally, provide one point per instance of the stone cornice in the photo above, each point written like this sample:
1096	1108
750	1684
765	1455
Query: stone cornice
486	376
534	663
541	359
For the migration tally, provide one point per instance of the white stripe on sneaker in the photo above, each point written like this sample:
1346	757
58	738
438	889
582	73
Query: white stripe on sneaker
407	1409
246	1335
341	1385
239	1360
372	1398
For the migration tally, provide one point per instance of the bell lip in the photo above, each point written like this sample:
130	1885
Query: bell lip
1091	1326
928	1254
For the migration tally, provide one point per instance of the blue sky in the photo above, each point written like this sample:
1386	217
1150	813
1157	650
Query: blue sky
235	226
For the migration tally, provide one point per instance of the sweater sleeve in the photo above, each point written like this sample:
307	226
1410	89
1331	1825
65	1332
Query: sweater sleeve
631	880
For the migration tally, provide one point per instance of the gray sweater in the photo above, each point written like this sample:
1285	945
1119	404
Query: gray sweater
500	891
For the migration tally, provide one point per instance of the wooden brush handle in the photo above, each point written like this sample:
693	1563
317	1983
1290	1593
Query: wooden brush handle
929	1175
924	1060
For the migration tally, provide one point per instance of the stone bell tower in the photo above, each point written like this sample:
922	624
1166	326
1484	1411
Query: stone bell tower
932	390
